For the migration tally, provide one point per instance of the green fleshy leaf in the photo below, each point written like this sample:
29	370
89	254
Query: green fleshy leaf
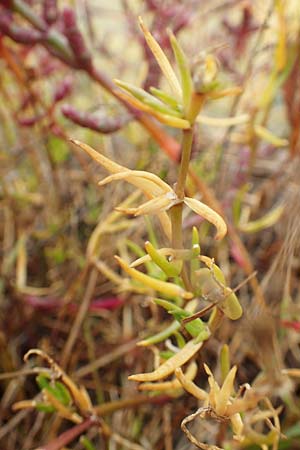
165	98
56	388
147	98
171	269
185	74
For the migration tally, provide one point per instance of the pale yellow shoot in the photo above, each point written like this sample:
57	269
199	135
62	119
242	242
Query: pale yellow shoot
268	220
178	360
167	119
209	214
107	163
153	206
140	176
214	387
268	136
177	254
164	287
214	95
223	121
190	386
225	392
174	384
149	185
162	61
24	404
237	426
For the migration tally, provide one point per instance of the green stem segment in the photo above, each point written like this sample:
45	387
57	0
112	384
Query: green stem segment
187	139
196	103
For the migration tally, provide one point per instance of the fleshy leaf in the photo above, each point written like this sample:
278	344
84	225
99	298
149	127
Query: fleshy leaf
266	221
185	74
167	119
178	360
170	289
165	98
172	269
268	136
148	99
154	206
162	60
209	214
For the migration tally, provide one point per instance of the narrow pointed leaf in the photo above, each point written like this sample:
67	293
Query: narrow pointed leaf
190	386
225	392
174	384
223	121
185	74
178	360
147	98
153	206
162	60
166	288
171	269
167	119
268	136
108	164
165	98
161	336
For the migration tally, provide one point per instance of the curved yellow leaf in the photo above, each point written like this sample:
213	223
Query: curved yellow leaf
178	360
209	214
170	289
162	60
190	374
153	206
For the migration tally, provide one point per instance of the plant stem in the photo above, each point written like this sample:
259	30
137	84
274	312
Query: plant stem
196	103
69	435
176	210
176	221
186	146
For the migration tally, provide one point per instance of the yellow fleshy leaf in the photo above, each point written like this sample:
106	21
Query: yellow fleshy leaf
268	220
214	95
190	386
190	374
167	119
170	289
223	121
268	136
149	183
225	392
162	60
178	360
153	206
209	214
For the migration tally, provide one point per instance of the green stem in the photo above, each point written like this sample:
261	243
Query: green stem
186	146
24	10
176	210
176	221
196	103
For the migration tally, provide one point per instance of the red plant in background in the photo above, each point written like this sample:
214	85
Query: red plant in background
58	32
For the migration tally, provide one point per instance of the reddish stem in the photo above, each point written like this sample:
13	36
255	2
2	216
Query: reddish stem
69	435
